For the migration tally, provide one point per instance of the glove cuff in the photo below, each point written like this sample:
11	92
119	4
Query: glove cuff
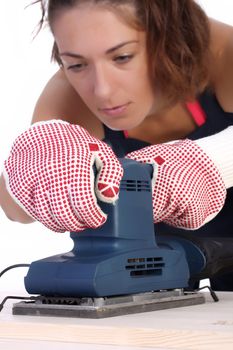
219	148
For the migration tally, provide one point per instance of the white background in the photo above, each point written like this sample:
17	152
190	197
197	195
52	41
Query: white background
24	69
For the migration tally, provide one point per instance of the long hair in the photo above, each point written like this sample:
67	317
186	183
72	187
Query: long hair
178	41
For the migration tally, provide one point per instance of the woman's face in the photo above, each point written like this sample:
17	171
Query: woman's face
105	61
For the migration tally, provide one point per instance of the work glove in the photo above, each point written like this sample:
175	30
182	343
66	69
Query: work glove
50	175
190	178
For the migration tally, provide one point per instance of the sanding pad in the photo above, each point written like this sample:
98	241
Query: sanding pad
108	306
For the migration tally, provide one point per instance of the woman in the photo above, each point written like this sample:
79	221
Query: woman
132	73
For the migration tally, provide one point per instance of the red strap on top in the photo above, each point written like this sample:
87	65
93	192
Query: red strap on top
197	112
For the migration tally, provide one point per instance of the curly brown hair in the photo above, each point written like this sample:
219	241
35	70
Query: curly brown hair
178	40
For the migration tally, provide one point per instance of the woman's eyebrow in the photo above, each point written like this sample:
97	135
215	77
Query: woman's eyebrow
119	46
111	50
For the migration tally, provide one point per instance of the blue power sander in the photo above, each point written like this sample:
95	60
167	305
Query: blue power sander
119	268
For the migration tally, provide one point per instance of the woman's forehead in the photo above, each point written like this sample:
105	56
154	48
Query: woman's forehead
83	25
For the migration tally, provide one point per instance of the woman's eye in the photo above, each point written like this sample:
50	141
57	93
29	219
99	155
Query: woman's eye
76	67
123	58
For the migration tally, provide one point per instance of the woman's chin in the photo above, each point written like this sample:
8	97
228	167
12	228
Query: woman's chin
123	125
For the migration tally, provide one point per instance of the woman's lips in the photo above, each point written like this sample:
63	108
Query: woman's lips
115	111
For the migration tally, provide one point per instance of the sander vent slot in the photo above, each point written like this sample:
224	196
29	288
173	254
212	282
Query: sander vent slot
142	273
145	266
135	186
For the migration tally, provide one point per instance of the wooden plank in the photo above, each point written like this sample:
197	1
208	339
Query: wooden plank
202	327
118	336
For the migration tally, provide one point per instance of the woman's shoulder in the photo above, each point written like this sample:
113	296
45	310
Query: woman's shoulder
59	100
222	67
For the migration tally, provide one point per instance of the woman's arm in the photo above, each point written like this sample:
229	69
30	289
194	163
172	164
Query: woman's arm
58	100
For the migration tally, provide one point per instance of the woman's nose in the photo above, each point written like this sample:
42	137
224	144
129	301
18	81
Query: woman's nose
102	86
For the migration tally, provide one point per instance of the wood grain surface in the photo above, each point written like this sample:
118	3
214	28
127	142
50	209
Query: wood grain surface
201	327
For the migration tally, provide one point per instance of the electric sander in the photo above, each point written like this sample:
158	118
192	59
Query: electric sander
121	267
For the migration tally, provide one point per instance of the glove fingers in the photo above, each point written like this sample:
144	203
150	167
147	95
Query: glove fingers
53	213
108	179
82	196
147	156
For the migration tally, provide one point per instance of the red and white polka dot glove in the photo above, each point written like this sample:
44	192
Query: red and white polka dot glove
49	173
188	190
